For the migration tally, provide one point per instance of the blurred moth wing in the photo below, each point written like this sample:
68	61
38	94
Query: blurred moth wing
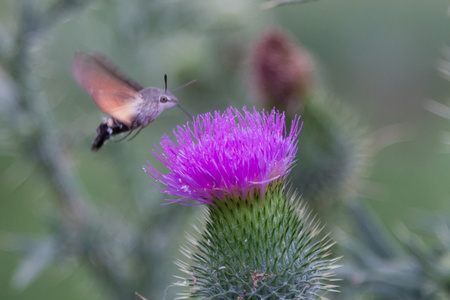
113	93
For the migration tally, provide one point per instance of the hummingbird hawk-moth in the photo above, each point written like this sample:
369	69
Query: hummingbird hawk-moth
129	106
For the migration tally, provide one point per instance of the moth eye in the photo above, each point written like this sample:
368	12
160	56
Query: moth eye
163	99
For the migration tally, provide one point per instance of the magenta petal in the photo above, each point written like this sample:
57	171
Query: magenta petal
225	155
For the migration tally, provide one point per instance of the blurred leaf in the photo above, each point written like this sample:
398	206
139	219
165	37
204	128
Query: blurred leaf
372	233
35	262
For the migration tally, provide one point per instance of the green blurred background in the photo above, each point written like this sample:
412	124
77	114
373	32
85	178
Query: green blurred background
378	57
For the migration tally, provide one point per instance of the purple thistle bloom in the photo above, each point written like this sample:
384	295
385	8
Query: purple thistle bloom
227	155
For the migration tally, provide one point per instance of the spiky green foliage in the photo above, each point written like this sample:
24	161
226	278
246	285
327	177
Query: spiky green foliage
413	266
259	249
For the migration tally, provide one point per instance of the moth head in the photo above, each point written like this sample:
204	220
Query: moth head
167	100
163	99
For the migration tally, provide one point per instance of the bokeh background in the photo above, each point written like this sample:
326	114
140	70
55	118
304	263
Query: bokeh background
381	59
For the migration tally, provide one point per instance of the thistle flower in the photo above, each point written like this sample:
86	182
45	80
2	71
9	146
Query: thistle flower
258	242
226	155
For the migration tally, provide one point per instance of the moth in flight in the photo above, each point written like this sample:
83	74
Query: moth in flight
130	106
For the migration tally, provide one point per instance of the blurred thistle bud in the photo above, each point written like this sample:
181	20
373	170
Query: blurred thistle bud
282	72
259	241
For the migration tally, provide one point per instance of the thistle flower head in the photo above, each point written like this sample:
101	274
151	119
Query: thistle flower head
226	155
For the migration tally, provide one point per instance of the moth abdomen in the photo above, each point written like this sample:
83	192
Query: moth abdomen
108	128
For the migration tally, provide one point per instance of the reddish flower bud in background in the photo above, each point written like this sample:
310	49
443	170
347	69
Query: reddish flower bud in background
282	72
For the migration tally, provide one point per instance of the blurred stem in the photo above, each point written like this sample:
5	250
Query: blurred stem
35	133
274	3
31	121
30	107
40	141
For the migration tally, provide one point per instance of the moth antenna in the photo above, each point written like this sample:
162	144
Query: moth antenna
165	82
183	110
184	85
